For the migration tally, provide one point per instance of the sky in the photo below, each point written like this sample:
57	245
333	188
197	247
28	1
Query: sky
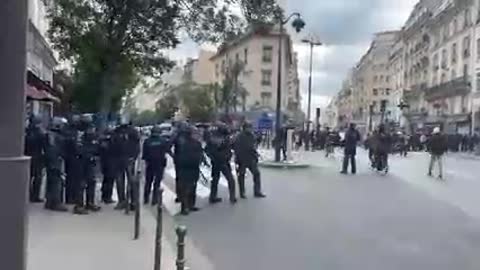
345	27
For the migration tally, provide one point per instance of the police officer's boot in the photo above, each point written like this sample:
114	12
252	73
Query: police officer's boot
120	205
155	198
215	200
80	210
92	207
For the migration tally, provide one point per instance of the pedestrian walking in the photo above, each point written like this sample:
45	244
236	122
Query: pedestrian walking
438	146
352	137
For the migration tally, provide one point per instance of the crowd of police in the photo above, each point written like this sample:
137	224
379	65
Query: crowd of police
71	151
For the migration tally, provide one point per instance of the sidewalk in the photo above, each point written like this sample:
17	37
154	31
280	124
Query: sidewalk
103	240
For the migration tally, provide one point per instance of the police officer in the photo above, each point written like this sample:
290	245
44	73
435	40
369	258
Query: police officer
154	151
219	150
126	148
179	135
72	135
85	187
35	149
54	156
189	156
246	156
107	165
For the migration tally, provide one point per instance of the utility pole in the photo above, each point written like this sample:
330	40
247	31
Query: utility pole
14	167
312	44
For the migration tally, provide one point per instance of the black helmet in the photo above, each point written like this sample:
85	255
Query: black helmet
247	125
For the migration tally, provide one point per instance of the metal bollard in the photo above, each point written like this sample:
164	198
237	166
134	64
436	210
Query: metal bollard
158	233
136	185
181	233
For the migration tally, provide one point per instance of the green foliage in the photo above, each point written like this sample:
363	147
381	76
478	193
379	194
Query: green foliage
166	107
198	102
113	42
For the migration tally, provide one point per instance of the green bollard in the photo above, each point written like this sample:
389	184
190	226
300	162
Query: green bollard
158	233
181	233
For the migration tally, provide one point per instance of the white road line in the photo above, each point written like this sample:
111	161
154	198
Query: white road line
169	200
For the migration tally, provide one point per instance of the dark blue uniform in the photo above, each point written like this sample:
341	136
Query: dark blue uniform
107	166
219	150
154	150
54	156
73	166
126	148
189	156
35	140
246	157
85	186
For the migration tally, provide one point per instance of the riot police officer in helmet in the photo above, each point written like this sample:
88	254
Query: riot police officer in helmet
54	153
126	148
35	148
219	150
246	156
85	187
189	156
72	135
107	165
154	150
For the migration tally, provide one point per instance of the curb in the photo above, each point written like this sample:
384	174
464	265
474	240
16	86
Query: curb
283	165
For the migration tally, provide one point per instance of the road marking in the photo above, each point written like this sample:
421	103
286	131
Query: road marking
169	200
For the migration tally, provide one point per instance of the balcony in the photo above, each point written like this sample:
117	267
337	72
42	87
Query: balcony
457	87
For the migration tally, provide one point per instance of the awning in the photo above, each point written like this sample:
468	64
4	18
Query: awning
35	94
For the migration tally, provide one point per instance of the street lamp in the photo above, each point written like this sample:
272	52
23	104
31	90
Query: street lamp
298	24
312	44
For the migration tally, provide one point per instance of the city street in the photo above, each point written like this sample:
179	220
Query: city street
318	219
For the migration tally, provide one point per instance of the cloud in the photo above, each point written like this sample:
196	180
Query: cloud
346	27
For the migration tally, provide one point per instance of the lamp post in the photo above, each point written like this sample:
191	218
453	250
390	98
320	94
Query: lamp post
298	24
312	44
14	167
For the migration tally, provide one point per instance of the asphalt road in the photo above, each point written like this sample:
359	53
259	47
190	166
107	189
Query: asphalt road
318	219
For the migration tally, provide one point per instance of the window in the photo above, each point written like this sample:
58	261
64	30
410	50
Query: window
267	54
375	78
245	56
454	53
478	82
466	47
266	77
387	79
266	99
435	62
444	58
468	18
465	70
217	70
381	78
375	91
454	73
478	49
442	79
237	58
387	91
454	26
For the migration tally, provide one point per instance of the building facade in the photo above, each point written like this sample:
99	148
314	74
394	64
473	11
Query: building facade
257	52
432	66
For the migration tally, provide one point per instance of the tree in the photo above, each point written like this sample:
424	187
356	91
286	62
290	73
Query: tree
166	107
198	102
112	42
